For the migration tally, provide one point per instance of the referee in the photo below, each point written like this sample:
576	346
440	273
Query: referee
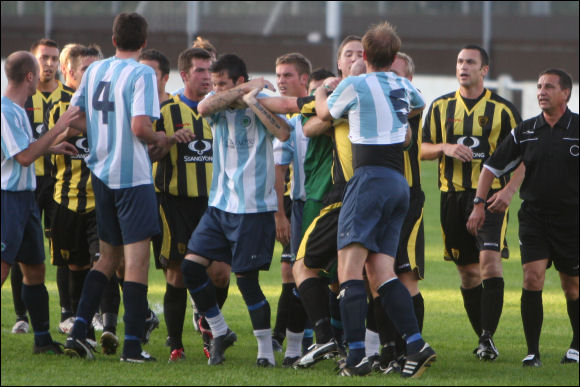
462	129
548	218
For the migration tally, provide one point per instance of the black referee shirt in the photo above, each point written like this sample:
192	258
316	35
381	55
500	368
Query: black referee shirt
551	159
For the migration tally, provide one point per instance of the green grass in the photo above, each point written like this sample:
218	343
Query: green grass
446	328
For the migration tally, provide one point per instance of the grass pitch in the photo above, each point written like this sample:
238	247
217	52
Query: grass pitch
446	328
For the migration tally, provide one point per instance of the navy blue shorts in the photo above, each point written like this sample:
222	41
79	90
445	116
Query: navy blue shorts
374	207
22	239
296	225
244	241
126	215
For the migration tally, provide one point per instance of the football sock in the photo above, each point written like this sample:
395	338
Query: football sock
200	287
95	283
419	308
216	322
491	304
258	306
174	307
335	319
472	304
573	314
75	283
221	295
308	338
385	327
16	282
353	308
314	295
62	283
35	298
294	343
111	298
110	322
532	318
296	314
397	303
282	313
135	302
265	349
371	320
372	343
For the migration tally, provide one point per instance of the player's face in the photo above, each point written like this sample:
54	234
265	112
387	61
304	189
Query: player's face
351	52
77	74
290	83
469	70
197	79
161	80
221	81
550	95
399	67
48	60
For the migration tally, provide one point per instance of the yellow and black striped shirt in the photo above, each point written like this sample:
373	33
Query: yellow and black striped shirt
412	156
38	107
73	187
187	169
480	125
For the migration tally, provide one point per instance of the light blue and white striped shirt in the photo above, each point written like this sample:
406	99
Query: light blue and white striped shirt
243	163
293	151
112	92
377	106
16	137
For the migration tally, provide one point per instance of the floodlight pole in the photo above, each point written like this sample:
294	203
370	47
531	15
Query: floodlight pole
192	22
47	19
487	26
333	28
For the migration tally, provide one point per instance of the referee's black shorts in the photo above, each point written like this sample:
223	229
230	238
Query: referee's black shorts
460	246
179	217
411	250
549	234
74	238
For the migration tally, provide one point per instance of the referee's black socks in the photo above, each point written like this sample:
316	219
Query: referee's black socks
573	314
472	304
174	308
532	318
491	304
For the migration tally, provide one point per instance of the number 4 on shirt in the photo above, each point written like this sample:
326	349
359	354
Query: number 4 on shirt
103	104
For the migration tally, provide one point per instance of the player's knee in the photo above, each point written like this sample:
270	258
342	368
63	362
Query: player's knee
534	279
219	274
194	274
470	276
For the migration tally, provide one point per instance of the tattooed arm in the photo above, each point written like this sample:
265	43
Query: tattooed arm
275	124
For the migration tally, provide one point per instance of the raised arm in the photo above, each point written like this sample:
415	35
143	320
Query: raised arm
280	105
275	125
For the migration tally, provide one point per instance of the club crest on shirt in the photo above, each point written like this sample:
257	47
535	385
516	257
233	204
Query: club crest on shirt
246	121
482	120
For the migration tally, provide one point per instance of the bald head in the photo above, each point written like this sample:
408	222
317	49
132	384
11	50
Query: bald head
18	65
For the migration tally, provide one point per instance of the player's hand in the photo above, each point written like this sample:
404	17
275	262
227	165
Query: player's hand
499	201
250	97
64	148
458	151
330	83
183	136
282	229
358	67
476	219
258	83
72	113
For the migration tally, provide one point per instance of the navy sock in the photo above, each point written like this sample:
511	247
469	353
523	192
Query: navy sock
75	287
221	295
63	285
200	287
353	310
296	315
35	298
95	284
282	312
135	302
258	306
532	317
396	301
174	307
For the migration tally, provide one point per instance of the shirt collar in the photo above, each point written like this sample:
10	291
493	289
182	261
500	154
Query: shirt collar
563	122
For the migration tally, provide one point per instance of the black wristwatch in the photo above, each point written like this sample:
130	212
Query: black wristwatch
478	200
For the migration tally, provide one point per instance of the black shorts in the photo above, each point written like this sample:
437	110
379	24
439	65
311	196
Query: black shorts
44	197
286	250
74	237
179	217
552	235
460	246
411	250
318	246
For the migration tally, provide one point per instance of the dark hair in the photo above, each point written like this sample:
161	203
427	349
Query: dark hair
42	42
345	41
482	53
18	65
565	79
381	43
93	50
157	56
233	64
300	62
129	31
320	74
185	57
